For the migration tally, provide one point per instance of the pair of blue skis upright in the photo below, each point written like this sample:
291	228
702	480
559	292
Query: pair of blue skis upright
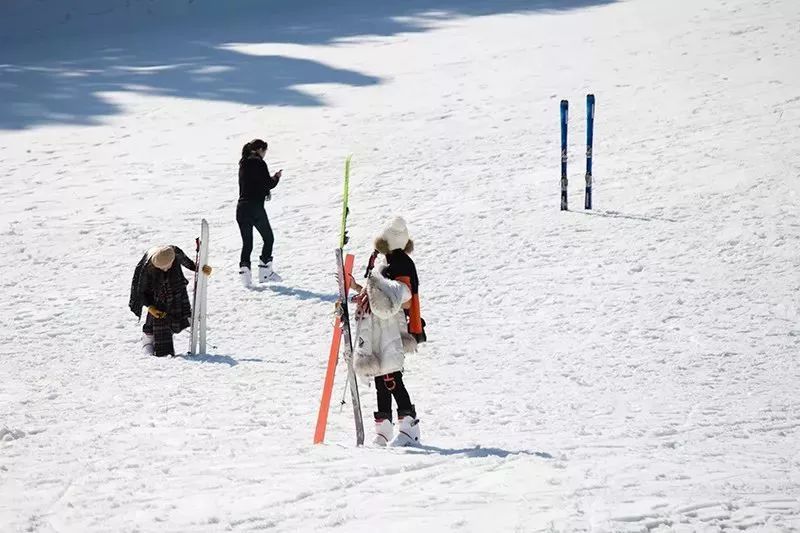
589	142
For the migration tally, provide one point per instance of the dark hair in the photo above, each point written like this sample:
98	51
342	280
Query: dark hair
252	147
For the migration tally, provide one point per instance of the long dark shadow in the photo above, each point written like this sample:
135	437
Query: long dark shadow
616	214
476	451
61	80
300	294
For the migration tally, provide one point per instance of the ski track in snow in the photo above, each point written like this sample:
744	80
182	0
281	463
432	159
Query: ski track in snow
632	368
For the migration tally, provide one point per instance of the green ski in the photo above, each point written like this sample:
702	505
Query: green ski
343	237
343	311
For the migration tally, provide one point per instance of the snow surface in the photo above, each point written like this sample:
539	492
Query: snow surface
631	368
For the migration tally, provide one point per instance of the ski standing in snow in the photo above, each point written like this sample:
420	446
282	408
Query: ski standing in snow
344	316
255	186
587	203
342	309
564	108
564	121
159	284
389	326
197	343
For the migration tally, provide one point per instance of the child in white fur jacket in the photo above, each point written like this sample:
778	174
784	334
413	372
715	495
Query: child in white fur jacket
388	306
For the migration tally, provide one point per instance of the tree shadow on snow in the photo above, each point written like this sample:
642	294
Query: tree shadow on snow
63	80
474	452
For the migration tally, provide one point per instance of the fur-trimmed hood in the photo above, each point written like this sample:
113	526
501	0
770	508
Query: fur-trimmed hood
382	246
394	236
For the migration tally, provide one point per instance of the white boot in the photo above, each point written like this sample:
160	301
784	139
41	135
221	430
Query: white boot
383	432
246	277
266	274
148	344
407	433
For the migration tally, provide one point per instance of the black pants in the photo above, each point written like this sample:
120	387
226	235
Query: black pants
251	215
388	386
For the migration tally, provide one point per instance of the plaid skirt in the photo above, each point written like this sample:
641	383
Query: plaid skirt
175	302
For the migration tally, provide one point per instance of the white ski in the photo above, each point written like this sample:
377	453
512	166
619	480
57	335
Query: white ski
198	336
348	350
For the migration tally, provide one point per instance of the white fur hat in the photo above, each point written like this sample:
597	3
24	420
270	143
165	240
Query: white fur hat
162	257
395	234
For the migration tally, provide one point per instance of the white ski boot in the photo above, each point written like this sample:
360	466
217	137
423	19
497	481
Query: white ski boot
246	277
266	274
148	344
384	429
407	433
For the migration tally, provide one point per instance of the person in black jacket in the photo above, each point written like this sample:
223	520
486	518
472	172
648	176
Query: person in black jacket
160	286
255	184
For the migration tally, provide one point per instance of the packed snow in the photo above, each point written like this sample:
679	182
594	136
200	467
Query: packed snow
629	368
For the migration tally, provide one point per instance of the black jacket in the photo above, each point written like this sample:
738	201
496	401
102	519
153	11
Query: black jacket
255	181
146	278
402	268
400	265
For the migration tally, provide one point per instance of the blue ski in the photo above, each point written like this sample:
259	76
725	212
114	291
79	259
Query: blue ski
564	113
589	141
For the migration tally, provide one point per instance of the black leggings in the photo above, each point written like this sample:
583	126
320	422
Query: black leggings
248	216
388	386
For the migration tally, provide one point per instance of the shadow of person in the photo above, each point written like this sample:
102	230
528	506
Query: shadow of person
474	452
209	358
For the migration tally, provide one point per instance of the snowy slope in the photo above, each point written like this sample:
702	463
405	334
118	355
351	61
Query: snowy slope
632	368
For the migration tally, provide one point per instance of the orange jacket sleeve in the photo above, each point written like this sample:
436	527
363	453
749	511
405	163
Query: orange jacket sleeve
414	315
